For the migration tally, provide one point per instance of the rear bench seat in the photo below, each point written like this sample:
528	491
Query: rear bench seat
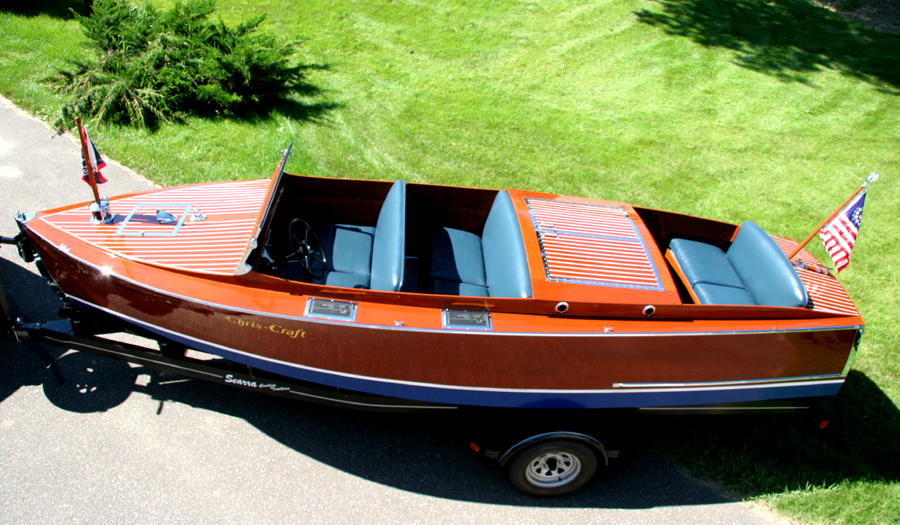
753	271
493	265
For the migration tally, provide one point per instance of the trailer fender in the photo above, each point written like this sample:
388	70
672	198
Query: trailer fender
549	436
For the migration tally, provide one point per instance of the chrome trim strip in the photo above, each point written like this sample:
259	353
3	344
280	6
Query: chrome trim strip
607	283
371	405
716	408
726	383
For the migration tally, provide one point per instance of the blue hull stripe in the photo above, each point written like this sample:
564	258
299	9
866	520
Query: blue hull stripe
683	395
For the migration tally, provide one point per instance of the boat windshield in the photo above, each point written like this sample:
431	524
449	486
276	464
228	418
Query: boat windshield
265	211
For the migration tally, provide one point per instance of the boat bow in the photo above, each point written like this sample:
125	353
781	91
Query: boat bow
202	228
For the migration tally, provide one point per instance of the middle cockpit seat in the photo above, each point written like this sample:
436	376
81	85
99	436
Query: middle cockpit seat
365	256
493	265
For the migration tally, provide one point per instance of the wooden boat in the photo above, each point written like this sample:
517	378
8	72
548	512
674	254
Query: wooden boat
460	296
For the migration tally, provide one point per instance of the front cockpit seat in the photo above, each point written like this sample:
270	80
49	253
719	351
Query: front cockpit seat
365	256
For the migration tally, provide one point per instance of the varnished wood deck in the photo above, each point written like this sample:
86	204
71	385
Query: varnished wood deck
214	245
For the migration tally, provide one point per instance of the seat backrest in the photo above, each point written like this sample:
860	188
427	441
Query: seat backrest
389	246
765	270
505	264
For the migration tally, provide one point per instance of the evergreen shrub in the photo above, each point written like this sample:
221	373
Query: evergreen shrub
152	65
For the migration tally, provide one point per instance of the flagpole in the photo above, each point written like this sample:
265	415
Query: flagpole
85	154
871	178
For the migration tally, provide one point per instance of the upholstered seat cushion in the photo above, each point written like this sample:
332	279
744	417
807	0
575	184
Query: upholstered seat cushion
457	263
457	256
389	247
710	273
465	264
753	270
365	256
505	262
348	251
709	293
346	280
765	269
348	248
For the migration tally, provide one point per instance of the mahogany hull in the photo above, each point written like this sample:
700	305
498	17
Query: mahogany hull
525	361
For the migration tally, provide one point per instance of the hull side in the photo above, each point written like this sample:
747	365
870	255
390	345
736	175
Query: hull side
625	396
702	363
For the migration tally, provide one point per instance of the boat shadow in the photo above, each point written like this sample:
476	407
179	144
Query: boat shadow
428	453
424	453
773	455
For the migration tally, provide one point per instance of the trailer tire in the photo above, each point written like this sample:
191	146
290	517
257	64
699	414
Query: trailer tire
553	468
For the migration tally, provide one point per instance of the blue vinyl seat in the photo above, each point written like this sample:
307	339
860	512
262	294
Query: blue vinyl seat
753	271
365	256
493	265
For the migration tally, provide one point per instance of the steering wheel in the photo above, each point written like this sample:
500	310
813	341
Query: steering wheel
303	250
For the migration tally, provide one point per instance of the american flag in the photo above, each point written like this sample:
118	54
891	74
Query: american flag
96	160
840	234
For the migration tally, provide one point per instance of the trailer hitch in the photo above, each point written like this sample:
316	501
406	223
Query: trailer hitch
23	244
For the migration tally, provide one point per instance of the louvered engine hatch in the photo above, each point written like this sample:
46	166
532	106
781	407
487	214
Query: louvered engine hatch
591	244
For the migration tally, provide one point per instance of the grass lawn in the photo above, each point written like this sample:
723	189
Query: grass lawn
773	111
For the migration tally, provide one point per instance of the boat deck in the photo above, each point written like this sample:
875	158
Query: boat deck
214	244
825	291
580	250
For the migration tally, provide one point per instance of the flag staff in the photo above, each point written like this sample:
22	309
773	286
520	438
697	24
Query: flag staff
100	207
871	178
87	162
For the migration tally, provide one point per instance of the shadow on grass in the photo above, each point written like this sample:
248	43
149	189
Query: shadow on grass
765	455
788	39
294	105
55	8
305	112
297	110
